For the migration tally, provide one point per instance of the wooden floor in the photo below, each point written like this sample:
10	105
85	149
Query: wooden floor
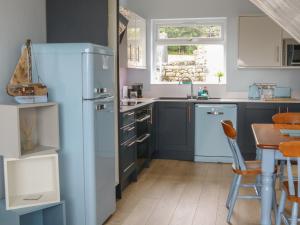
183	193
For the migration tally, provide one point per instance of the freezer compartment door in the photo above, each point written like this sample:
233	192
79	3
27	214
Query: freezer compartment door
98	76
211	144
99	158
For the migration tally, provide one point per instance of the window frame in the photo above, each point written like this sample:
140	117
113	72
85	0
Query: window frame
155	41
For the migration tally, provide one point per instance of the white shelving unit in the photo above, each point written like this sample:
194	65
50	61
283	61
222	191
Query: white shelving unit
29	129
31	181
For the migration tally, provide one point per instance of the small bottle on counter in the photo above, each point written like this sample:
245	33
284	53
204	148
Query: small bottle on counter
200	92
205	91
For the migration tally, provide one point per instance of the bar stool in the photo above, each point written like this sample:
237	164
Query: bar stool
285	118
290	188
241	168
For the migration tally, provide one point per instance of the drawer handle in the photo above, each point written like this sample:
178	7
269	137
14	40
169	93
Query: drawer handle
131	144
143	139
130	114
124	171
130	129
215	113
143	119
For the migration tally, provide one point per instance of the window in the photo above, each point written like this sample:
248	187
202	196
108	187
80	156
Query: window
193	48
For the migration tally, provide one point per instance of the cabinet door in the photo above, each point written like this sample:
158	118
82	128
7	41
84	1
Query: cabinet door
131	40
259	42
140	42
248	114
292	107
128	156
175	129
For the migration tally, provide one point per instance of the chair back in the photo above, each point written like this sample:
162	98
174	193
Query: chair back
287	118
231	135
291	150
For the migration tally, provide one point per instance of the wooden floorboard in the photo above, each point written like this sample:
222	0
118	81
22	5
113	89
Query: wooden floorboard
174	192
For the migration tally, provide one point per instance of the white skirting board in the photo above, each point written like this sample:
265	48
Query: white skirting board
31	181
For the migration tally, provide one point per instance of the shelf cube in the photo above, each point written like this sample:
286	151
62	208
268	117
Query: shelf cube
53	214
28	129
31	181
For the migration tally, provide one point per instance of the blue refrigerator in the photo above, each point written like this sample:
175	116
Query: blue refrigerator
80	77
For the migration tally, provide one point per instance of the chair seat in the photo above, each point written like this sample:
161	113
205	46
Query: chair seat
253	168
290	197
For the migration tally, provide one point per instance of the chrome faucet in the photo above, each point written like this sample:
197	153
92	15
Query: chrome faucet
188	80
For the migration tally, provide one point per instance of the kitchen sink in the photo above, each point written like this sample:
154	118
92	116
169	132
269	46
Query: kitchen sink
185	98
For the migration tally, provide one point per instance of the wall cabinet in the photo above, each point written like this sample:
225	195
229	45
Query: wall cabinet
260	42
136	41
175	130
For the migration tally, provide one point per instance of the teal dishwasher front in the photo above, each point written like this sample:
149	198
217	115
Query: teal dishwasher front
211	145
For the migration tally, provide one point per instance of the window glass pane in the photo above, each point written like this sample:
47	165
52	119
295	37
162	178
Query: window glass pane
190	31
201	63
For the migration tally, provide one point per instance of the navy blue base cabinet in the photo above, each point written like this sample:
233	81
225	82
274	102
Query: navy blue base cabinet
175	130
249	113
53	214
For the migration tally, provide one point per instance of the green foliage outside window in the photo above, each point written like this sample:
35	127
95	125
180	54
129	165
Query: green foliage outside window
194	31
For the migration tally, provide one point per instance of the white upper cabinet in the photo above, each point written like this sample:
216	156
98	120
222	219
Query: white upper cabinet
136	41
260	42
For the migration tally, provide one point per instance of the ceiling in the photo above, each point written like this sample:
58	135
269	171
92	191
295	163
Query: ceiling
284	12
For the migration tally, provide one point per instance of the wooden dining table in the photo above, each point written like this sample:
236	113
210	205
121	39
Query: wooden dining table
267	138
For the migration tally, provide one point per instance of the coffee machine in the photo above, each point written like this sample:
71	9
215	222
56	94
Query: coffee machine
138	88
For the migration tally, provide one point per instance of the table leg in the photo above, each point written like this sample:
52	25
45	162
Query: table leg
258	177
268	163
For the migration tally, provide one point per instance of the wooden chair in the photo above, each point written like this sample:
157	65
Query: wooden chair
290	188
240	168
287	118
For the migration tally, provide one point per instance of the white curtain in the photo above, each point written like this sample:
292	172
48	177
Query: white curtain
285	12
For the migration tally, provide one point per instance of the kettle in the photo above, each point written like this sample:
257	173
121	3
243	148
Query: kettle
254	92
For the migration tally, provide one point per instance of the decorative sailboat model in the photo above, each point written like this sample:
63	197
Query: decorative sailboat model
21	85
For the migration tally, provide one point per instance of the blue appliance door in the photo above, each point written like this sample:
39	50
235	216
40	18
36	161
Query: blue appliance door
211	145
98	76
99	160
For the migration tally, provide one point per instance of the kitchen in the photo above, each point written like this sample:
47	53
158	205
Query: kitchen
172	158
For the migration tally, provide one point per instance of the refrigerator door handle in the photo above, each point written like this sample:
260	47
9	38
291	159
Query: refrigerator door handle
101	107
105	100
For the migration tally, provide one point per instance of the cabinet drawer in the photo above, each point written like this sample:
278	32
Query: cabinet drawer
128	154
143	124
127	132
127	118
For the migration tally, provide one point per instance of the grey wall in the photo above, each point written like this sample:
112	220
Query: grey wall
19	20
237	80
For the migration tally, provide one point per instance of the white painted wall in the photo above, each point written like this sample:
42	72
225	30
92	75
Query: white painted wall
19	20
237	80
